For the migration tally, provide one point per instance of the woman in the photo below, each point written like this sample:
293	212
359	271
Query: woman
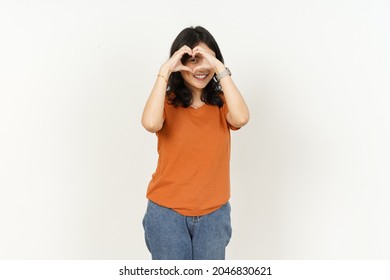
192	107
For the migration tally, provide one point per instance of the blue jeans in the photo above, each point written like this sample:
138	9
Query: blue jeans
171	236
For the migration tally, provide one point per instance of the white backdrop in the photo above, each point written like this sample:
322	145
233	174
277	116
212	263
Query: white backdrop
310	172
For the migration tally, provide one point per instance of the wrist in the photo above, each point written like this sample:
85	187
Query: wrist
219	75
165	71
163	77
219	68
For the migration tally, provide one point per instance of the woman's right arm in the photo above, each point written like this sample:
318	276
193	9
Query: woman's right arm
153	115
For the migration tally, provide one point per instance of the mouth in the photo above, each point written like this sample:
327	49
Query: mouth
200	76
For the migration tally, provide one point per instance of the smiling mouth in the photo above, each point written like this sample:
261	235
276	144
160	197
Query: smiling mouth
200	76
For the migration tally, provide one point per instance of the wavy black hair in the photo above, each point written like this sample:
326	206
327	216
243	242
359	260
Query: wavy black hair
178	94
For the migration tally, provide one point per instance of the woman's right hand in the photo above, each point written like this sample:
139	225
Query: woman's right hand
174	63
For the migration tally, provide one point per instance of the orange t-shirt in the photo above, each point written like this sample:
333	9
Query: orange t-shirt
192	175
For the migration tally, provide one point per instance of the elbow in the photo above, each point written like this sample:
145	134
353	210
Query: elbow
245	119
151	127
240	122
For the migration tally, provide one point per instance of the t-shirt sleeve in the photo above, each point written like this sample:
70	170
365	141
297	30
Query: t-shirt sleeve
166	104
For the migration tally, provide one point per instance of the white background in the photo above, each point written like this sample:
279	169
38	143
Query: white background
310	172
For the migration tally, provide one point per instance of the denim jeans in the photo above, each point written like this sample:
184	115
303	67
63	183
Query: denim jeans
172	236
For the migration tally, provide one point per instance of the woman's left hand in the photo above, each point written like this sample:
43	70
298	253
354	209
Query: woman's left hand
209	60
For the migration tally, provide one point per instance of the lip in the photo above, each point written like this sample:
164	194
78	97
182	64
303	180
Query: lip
200	76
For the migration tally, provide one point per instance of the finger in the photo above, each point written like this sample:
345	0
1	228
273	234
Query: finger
203	52
198	48
196	51
178	55
203	66
185	68
185	49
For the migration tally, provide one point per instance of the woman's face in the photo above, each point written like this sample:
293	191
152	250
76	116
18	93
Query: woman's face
201	74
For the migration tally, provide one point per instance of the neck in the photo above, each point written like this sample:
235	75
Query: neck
197	102
196	95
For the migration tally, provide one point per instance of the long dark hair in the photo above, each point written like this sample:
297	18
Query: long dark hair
178	94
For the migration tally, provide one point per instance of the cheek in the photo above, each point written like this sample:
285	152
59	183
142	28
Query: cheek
209	79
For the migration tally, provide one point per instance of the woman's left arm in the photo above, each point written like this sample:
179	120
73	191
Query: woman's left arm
238	114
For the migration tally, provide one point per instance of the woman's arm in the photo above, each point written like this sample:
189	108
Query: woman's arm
238	114
153	114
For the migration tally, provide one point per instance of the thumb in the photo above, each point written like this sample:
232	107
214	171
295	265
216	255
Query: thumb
185	68
202	66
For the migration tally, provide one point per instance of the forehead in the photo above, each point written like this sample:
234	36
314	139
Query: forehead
206	48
